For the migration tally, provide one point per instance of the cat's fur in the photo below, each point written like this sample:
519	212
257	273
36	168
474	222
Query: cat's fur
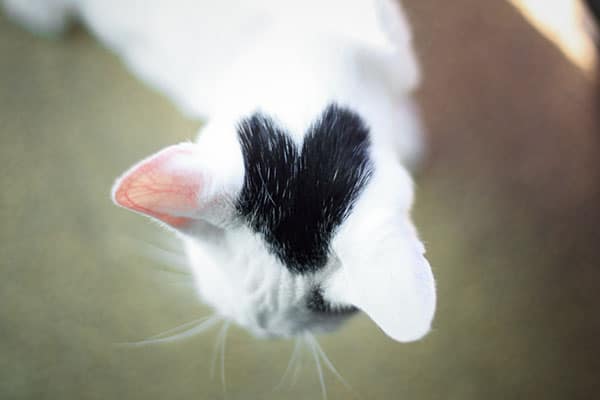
294	202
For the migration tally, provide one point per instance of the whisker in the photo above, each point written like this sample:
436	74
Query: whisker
318	364
288	369
216	350
164	256
330	365
185	284
178	328
205	324
298	365
173	271
173	259
223	383
167	241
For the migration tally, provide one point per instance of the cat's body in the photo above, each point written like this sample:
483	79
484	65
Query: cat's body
294	203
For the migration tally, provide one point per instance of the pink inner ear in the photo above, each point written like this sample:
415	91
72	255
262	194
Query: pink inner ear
165	186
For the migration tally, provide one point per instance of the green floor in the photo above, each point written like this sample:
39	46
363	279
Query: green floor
75	282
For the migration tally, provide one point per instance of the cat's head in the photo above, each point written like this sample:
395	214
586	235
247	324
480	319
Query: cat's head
291	233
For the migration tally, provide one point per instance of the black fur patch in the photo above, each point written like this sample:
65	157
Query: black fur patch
296	197
316	303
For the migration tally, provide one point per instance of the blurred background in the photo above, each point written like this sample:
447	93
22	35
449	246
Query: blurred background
508	203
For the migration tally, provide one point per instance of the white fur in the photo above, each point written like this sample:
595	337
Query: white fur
225	59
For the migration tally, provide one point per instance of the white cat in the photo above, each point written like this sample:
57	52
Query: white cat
294	202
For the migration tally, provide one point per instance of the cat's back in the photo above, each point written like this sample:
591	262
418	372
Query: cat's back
182	47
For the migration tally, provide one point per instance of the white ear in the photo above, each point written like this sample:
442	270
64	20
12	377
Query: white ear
172	186
387	276
383	268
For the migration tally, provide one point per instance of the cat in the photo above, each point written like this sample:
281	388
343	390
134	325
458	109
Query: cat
294	202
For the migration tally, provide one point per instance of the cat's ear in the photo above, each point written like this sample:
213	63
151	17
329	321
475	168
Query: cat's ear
172	186
383	270
388	277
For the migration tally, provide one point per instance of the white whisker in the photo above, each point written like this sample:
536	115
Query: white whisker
330	365
288	369
178	328
174	271
226	328
172	258
205	324
166	257
298	366
310	341
185	284
213	363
